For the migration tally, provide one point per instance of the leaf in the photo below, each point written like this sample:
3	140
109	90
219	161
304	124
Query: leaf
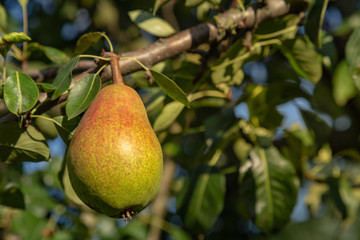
82	95
318	128
15	37
12	196
170	87
23	3
343	84
276	188
158	4
20	93
3	19
86	40
152	24
303	58
67	129
315	21
168	115
202	199
47	87
22	145
193	3
63	78
352	52
55	55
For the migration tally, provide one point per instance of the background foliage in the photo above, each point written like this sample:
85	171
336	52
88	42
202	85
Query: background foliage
268	147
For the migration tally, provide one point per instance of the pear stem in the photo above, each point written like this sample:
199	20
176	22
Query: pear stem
115	69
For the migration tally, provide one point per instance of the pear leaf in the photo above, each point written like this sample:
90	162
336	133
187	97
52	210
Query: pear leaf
20	145
82	95
170	87
3	19
168	115
315	21
86	40
63	78
20	93
303	58
12	196
352	52
150	23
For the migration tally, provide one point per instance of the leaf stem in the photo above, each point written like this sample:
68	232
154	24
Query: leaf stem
275	34
109	42
93	56
134	59
101	68
51	120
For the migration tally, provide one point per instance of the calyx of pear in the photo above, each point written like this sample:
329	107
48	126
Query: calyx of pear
115	160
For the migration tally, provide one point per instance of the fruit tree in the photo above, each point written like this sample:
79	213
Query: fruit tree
170	119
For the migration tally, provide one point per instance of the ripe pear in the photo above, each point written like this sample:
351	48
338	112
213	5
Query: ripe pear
115	160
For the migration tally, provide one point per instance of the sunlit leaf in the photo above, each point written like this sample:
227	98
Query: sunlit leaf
3	19
63	78
15	37
303	58
12	196
86	40
352	52
20	93
168	115
343	84
23	3
20	145
276	188
151	24
202	199
315	20
82	95
170	87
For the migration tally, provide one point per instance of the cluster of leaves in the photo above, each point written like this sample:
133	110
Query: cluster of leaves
238	174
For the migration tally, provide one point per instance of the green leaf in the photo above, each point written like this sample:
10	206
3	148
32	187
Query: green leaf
158	4
276	188
12	196
15	37
168	115
315	21
86	40
3	19
23	3
170	87
20	93
303	58
202	199
22	145
352	52
82	95
152	24
67	129
343	84
63	78
53	54
317	127
193	3
47	87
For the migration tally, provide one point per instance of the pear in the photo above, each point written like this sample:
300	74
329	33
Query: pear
115	160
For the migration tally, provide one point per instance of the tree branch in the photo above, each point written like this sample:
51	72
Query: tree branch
208	32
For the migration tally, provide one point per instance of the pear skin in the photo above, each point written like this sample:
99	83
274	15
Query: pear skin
115	160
